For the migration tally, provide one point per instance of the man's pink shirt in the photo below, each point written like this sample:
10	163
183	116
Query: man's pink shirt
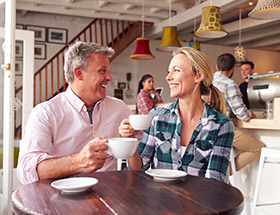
61	126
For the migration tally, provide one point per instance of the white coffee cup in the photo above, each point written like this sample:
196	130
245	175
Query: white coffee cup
140	122
122	147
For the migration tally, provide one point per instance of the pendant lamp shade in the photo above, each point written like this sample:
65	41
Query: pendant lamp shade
210	26
240	54
195	45
169	40
266	9
142	51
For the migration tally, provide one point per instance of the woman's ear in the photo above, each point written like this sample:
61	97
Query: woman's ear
78	73
198	78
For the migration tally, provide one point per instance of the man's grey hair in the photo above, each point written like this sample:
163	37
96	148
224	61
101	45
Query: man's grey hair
78	55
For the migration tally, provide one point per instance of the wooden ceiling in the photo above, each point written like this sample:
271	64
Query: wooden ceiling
185	14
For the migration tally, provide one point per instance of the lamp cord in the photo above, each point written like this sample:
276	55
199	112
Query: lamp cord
239	26
169	21
194	28
143	5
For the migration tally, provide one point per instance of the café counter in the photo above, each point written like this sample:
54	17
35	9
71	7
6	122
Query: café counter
267	131
262	124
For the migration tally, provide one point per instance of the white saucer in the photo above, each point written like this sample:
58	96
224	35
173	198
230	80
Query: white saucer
74	185
165	174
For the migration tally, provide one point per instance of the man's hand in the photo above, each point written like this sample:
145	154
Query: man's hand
253	115
92	156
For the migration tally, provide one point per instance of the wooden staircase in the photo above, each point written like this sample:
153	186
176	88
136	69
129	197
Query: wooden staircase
49	80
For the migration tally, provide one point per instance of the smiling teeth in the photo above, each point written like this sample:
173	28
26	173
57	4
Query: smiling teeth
102	85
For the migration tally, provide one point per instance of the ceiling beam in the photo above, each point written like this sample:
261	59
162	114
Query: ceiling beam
246	23
102	4
87	12
268	42
254	34
162	4
83	10
129	6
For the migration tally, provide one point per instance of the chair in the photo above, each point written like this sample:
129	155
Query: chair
265	153
120	163
233	167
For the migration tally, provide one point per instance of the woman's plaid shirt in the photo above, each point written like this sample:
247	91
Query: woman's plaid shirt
207	153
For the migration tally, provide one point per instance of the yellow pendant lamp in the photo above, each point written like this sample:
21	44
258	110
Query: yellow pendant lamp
266	9
169	39
142	51
210	26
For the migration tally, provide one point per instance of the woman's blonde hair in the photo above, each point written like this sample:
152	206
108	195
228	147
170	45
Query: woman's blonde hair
201	64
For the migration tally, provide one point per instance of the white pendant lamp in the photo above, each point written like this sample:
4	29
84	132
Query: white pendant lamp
266	9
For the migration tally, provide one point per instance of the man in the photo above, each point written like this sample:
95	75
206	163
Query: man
249	147
247	68
67	135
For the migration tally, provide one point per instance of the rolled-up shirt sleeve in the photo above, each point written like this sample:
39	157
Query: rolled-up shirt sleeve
35	145
234	99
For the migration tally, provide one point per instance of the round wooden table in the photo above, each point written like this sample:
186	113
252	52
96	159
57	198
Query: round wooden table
129	192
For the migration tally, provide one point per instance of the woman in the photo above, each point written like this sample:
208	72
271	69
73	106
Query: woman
147	95
188	134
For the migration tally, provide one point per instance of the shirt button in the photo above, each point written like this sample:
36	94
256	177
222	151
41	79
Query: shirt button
204	121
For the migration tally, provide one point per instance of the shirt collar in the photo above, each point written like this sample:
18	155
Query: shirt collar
208	114
174	107
219	74
77	103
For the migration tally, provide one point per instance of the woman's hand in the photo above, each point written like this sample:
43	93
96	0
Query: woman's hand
125	129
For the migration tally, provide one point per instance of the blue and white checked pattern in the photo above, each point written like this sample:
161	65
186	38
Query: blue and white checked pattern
232	96
207	153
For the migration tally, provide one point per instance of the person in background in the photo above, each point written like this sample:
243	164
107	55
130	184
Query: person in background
67	135
187	135
246	68
147	95
249	147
